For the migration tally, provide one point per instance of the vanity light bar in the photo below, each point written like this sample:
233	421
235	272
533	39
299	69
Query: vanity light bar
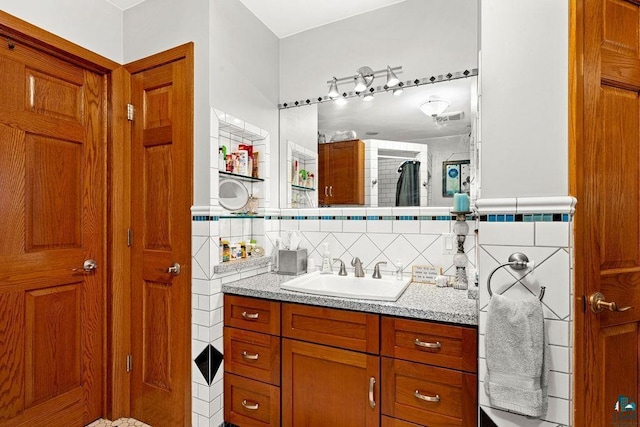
409	83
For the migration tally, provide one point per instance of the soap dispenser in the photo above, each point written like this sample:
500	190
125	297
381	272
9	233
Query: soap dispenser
326	260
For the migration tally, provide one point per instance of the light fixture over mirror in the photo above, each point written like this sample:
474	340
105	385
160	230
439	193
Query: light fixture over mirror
364	78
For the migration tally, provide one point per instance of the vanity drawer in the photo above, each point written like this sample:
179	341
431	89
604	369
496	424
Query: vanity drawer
428	395
448	346
250	403
394	422
338	328
252	355
254	314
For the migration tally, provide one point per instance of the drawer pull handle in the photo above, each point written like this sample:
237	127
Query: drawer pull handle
427	344
249	356
252	316
435	398
250	406
372	401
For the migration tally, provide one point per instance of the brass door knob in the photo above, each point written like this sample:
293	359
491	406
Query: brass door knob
598	304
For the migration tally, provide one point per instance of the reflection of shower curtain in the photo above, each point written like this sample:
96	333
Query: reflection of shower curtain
408	186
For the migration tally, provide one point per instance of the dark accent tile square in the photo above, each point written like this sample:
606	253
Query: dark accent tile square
208	362
557	217
519	217
485	421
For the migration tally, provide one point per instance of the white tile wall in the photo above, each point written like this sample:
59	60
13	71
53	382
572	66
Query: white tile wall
206	287
548	244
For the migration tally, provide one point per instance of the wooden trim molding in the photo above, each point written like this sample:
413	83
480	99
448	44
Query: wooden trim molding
171	55
576	172
119	254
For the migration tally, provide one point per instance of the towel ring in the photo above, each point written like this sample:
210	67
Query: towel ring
517	261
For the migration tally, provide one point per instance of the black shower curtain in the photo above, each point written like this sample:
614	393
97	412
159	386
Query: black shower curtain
408	186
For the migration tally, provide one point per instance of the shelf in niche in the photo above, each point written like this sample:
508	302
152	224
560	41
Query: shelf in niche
240	216
241	177
241	264
298	187
239	131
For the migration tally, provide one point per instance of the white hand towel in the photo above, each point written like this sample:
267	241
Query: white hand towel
517	355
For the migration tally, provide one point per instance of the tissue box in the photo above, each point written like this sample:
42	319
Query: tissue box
292	262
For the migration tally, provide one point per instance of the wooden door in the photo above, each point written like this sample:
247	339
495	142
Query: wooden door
162	163
326	386
605	134
52	203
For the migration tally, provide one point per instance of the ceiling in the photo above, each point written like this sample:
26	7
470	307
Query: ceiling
287	17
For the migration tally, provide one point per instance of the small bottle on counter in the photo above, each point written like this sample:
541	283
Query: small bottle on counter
226	251
243	250
399	268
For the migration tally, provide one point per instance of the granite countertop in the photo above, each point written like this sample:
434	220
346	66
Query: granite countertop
419	300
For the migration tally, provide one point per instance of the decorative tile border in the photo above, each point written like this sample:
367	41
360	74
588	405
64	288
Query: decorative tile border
365	218
540	217
508	217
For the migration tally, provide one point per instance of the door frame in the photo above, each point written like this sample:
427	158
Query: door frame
18	30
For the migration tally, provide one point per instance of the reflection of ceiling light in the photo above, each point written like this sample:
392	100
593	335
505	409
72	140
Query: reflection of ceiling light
333	89
398	91
434	106
340	101
392	79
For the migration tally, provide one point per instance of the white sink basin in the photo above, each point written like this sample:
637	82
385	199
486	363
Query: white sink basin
348	286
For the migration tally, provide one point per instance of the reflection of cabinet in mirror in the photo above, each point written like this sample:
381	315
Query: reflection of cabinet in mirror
341	173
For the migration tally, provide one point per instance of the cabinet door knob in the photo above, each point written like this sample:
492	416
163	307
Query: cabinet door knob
252	316
427	344
372	400
420	396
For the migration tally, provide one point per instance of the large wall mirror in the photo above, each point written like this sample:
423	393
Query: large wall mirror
400	142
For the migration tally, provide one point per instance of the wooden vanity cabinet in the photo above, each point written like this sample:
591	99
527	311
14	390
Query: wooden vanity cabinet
428	373
251	361
330	367
319	366
341	173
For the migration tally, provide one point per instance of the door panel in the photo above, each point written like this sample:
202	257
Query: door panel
607	186
54	342
162	159
52	200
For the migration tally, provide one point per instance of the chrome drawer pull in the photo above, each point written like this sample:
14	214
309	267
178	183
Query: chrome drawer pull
251	316
251	407
372	401
427	344
250	356
435	398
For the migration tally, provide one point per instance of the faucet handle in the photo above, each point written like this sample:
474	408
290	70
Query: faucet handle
343	270
376	270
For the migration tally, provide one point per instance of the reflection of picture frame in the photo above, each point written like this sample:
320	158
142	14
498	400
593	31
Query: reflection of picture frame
456	177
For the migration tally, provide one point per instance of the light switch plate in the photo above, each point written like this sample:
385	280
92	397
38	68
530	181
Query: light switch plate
449	244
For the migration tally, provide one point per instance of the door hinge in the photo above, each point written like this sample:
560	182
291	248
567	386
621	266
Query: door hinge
129	362
129	237
130	112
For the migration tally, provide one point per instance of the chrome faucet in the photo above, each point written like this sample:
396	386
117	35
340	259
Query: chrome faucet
343	271
376	270
358	271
